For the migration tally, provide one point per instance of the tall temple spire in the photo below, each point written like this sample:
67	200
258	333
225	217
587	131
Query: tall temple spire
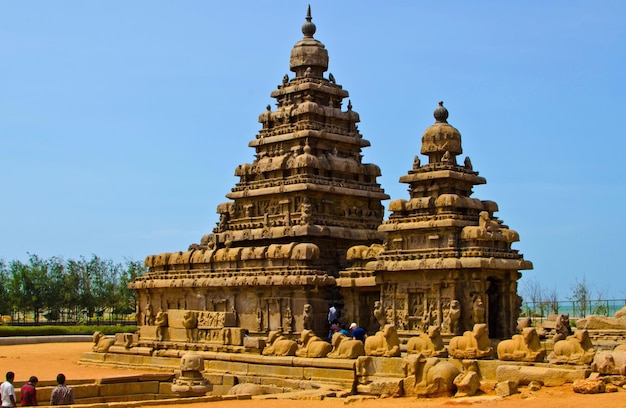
298	206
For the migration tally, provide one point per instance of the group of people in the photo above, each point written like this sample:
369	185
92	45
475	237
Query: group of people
61	395
355	332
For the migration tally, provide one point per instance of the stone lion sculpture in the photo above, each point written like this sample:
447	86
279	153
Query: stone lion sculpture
429	345
522	347
472	344
313	346
344	347
384	343
101	343
278	345
429	377
575	349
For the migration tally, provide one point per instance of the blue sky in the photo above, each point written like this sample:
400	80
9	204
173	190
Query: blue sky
121	123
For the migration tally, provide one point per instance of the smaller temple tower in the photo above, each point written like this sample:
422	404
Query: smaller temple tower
447	260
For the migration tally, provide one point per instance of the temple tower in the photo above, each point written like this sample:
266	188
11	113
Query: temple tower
272	260
447	259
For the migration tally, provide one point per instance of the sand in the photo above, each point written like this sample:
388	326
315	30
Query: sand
48	359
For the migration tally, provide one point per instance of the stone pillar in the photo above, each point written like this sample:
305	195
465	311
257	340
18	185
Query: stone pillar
437	288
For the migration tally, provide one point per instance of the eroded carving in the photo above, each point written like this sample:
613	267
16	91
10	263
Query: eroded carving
562	328
307	317
522	347
278	345
428	345
344	347
472	344
384	343
101	343
575	349
312	345
160	321
190	381
429	377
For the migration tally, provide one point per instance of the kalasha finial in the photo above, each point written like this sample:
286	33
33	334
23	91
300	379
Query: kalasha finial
308	28
441	113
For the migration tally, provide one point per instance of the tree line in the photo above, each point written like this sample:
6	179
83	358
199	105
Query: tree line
67	290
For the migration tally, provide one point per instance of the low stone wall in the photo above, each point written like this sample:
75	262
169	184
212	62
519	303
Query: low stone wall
7	341
227	369
139	387
366	375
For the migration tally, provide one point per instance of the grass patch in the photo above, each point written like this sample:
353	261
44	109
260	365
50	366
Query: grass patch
13	331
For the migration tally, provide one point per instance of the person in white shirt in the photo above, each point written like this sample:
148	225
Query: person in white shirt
8	391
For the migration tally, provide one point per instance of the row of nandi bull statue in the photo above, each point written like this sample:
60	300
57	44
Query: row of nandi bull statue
474	344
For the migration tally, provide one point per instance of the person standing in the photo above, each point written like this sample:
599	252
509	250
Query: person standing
28	392
62	394
8	391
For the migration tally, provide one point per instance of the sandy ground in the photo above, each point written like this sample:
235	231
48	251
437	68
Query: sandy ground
48	359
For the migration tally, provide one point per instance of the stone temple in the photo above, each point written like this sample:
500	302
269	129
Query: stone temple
304	229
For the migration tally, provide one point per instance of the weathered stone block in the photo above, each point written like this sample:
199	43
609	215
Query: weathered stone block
142	351
95	402
227	366
254	342
147	332
165	388
346	364
506	388
589	386
84	391
548	376
278	371
117	380
221	389
380	366
311	373
383	387
147	387
467	384
229	380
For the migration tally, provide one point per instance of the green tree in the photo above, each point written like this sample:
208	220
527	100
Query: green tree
17	277
581	294
126	298
5	304
56	288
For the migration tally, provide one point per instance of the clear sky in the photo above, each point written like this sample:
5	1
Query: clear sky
121	122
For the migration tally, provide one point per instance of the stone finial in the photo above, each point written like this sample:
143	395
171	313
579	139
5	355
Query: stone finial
441	113
308	52
308	28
